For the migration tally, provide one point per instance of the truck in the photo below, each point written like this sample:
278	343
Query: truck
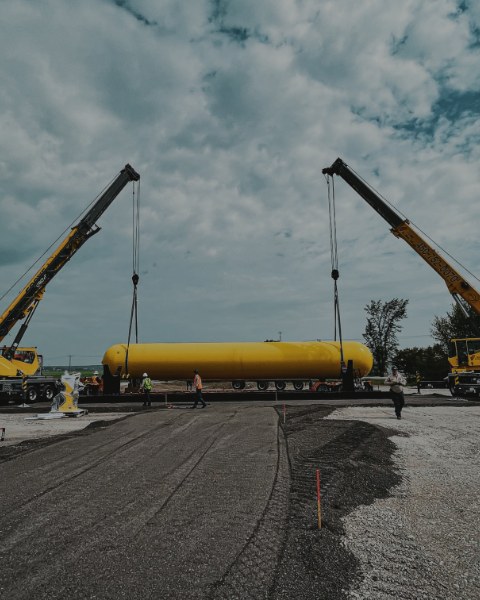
29	387
464	354
21	367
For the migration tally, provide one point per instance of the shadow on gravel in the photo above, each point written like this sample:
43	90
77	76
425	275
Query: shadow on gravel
355	464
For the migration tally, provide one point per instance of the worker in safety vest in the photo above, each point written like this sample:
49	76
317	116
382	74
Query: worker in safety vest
97	383
146	388
418	381
197	384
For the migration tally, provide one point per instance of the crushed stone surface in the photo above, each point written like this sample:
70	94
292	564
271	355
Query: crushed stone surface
423	540
220	504
22	428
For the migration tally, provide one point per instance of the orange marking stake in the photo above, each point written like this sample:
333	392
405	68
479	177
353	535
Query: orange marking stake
319	507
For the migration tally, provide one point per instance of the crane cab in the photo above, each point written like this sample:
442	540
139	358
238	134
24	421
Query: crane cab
464	354
26	361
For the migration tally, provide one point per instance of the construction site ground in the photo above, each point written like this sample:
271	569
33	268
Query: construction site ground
169	502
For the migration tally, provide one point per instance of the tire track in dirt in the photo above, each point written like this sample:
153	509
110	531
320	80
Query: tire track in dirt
10	541
50	468
126	522
252	573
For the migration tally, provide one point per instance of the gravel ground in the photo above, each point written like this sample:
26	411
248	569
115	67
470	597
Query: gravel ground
165	504
22	428
220	504
354	459
423	540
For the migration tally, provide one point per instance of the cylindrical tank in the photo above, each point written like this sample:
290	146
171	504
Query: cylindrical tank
228	361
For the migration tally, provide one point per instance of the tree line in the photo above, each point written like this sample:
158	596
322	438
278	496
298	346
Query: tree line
381	337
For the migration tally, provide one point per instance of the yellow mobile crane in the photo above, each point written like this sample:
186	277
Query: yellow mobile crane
464	353
20	368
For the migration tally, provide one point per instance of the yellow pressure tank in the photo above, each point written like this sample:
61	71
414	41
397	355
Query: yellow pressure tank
237	361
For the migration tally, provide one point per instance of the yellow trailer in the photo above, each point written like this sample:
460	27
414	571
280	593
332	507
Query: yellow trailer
238	362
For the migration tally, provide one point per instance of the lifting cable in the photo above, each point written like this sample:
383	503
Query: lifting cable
334	260
135	267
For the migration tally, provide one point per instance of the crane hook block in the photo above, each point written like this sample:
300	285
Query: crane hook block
335	274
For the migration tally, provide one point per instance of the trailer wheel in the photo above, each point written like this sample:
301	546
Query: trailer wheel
298	385
48	393
280	385
238	385
262	385
32	394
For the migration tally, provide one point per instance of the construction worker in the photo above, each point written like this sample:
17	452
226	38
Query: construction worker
197	384
97	383
146	388
93	385
396	381
418	381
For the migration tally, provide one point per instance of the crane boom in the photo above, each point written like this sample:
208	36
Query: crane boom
462	291
24	305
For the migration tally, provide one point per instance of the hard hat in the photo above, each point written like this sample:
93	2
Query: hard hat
144	375
95	372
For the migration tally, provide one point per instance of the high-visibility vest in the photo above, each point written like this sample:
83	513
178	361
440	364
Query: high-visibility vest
197	382
147	384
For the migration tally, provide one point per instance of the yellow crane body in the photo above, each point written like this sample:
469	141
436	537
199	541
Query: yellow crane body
26	362
229	361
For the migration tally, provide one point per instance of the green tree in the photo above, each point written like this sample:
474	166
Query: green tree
381	330
455	325
431	362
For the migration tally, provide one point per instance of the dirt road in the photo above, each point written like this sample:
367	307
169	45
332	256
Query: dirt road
220	503
159	505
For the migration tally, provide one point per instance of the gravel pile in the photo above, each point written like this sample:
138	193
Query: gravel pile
354	459
423	540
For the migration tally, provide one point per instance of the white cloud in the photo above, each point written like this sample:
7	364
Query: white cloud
229	110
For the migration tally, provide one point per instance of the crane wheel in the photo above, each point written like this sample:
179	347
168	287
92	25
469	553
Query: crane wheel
48	393
262	385
32	394
280	385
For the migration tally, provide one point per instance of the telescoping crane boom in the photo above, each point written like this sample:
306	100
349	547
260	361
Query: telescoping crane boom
462	291
465	353
26	302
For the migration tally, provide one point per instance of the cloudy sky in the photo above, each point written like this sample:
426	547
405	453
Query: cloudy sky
229	110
